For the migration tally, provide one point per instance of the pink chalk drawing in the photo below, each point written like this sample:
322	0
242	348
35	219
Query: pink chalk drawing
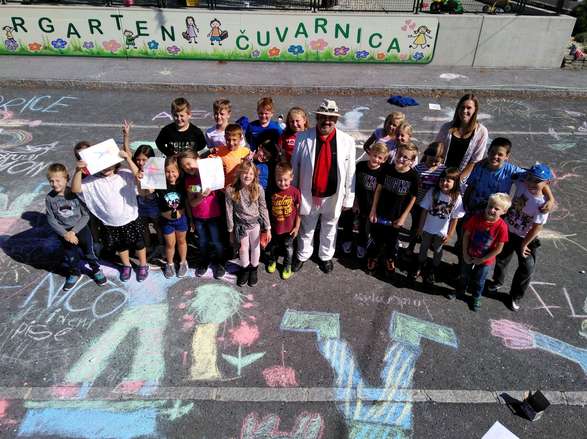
514	335
307	426
129	387
5	419
243	336
280	376
65	391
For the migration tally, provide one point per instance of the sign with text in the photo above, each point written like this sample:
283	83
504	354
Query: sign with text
215	35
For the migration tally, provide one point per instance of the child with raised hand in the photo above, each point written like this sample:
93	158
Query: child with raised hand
69	218
181	134
263	124
366	174
205	210
296	121
246	217
233	153
441	208
111	195
174	222
397	187
525	220
387	134
484	237
285	219
429	171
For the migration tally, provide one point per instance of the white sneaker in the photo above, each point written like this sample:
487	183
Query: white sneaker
347	247
515	305
361	252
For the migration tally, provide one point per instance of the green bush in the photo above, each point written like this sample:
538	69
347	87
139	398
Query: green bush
581	24
581	38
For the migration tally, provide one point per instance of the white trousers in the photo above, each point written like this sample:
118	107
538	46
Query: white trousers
328	223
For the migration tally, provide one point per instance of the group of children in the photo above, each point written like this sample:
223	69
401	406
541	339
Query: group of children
259	207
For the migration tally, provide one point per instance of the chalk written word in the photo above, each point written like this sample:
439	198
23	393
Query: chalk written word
43	104
306	426
196	114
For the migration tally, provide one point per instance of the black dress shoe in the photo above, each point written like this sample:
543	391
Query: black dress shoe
297	265
326	266
242	277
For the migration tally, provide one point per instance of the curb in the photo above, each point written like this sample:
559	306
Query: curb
274	89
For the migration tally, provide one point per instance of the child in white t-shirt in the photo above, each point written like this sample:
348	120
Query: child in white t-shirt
441	208
525	220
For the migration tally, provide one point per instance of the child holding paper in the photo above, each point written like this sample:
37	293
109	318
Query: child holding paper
111	195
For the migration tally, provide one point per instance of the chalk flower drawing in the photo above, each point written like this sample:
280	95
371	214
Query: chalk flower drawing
295	49
361	54
245	335
320	44
88	45
35	47
59	43
341	51
153	45
255	53
174	50
111	46
274	51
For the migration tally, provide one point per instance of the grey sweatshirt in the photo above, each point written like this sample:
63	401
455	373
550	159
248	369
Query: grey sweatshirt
66	212
246	213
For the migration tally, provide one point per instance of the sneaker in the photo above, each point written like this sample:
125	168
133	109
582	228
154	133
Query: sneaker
218	271
492	286
71	281
142	272
361	252
297	265
476	305
99	277
242	276
253	279
347	247
286	273
169	271
201	270
515	305
451	296
183	269
125	273
271	267
326	266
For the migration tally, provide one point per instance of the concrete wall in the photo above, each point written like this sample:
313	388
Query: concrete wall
457	38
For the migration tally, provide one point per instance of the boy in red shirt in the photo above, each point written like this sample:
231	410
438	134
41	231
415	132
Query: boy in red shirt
285	219
484	237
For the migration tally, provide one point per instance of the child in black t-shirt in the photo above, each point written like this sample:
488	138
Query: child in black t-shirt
366	175
397	187
181	135
174	222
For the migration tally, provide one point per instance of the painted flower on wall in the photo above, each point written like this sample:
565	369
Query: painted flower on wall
295	49
274	51
320	44
361	54
174	50
255	53
341	51
380	56
404	56
409	25
88	45
153	45
59	43
11	44
35	47
111	46
418	56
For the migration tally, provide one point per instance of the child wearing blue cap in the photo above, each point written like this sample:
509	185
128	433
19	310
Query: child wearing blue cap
525	219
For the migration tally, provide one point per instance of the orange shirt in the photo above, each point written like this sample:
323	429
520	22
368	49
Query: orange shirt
231	160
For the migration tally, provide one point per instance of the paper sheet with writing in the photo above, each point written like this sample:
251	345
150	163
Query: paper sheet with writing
101	156
154	174
211	173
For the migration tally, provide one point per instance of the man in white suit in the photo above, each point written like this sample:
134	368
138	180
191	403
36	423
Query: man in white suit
324	171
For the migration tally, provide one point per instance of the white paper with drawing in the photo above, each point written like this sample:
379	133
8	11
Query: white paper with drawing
211	173
154	174
101	156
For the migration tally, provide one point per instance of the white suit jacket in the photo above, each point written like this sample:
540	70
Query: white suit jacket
303	161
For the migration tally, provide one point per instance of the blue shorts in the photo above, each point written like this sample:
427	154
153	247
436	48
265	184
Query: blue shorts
177	225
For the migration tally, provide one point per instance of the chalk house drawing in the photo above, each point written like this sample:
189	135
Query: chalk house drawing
388	414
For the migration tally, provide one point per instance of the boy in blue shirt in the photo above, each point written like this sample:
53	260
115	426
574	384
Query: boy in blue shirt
270	129
69	217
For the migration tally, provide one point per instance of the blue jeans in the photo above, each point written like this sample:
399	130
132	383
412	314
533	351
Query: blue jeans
72	252
209	236
473	278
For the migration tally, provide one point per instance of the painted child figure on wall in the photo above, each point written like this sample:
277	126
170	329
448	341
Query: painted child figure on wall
191	30
129	39
216	34
10	42
421	36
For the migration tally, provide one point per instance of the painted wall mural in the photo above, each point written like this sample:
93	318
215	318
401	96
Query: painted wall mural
216	35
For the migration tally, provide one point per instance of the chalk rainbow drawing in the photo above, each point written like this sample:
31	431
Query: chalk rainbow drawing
518	336
384	412
306	426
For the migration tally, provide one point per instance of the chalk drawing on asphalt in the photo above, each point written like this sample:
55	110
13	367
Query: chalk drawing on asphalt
306	426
